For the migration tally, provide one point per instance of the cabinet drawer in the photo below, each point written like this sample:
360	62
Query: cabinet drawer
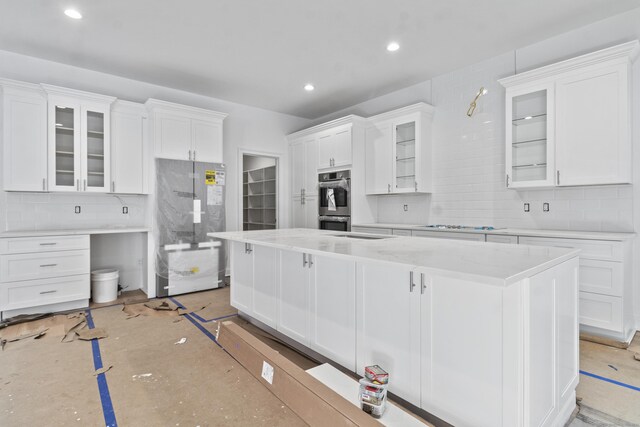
32	293
495	238
601	311
399	232
449	235
591	249
22	245
601	277
18	267
371	230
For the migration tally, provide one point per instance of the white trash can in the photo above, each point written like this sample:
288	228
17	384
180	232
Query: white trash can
104	285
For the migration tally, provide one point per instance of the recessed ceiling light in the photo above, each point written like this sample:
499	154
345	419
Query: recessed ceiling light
393	46
528	118
72	13
309	87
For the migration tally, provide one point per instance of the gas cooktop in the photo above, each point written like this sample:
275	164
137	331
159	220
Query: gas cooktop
459	227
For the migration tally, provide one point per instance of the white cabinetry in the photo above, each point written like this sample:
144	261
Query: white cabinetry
477	237
334	147
398	151
129	154
79	142
243	277
186	133
569	123
40	274
24	135
304	182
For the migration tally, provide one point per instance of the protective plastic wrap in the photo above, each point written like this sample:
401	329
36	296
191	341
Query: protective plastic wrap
189	204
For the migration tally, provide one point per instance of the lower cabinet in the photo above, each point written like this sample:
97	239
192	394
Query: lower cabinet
478	237
304	212
389	333
242	273
293	296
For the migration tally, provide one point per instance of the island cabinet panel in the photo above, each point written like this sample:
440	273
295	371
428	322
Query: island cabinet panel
264	297
388	325
333	317
242	276
293	291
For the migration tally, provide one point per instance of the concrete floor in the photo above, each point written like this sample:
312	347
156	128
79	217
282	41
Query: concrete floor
155	382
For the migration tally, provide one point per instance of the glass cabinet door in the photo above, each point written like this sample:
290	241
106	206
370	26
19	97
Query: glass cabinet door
405	162
530	142
95	150
66	146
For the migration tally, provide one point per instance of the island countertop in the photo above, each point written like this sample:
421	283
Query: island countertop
490	263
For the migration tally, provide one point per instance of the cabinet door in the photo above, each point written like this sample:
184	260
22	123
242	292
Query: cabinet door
25	141
594	145
378	157
264	289
298	213
207	141
128	160
297	153
242	276
333	318
530	144
64	145
311	212
383	293
404	146
293	289
477	237
95	148
325	150
173	136
341	148
311	168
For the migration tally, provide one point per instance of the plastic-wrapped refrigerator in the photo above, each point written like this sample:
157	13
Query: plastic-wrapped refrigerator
189	204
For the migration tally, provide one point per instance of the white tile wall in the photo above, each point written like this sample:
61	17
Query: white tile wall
391	209
42	211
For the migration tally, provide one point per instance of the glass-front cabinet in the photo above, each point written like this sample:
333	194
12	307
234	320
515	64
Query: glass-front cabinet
530	137
79	149
405	162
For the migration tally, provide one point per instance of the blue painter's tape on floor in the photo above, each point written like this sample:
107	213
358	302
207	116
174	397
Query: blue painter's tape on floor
103	387
202	329
176	302
609	380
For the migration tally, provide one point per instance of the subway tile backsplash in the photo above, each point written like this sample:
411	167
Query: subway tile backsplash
46	211
469	168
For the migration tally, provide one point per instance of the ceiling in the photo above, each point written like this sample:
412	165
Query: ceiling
262	53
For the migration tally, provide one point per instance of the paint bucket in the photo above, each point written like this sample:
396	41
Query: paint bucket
104	285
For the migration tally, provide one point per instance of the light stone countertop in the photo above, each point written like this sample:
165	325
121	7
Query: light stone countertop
483	262
562	234
37	233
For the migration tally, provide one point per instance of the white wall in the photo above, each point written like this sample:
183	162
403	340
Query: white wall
246	127
257	162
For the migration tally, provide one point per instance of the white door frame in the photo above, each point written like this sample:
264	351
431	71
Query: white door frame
278	158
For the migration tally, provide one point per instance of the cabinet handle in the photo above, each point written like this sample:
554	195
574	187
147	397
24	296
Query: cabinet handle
48	244
422	285
416	185
194	155
48	265
310	260
411	284
507	180
388	188
44	184
558	177
304	260
78	184
85	184
189	154
247	248
113	186
48	292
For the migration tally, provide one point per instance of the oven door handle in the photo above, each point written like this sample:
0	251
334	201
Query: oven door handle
334	218
343	183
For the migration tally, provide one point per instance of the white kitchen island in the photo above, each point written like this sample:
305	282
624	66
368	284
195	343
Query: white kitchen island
475	333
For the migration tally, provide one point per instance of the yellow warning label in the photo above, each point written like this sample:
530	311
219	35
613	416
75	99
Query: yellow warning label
210	177
195	270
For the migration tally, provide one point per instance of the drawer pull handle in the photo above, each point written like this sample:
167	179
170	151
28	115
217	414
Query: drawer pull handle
48	265
48	244
48	292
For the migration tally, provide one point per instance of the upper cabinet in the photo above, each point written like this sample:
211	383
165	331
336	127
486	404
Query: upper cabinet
304	174
334	147
79	145
129	153
186	133
398	151
24	135
568	123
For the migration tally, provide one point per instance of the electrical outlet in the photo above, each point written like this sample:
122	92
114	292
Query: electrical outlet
405	207
527	207
77	209
545	207
125	210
